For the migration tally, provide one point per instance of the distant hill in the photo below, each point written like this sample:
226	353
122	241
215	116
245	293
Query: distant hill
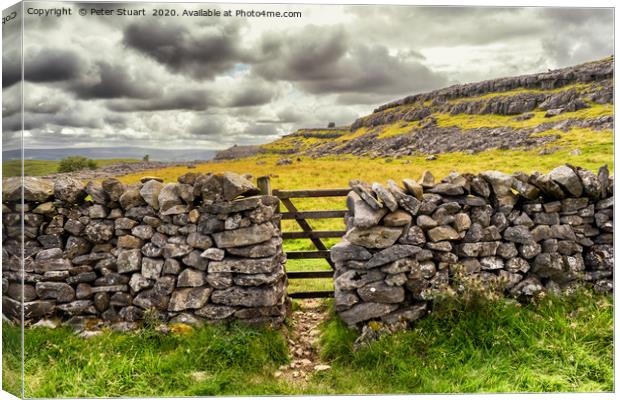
522	112
101	153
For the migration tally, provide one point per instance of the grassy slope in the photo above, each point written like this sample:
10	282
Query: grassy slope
45	167
554	345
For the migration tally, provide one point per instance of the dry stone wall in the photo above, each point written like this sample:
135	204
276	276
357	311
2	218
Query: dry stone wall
518	234
206	248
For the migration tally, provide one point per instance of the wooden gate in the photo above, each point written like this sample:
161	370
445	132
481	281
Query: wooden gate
301	217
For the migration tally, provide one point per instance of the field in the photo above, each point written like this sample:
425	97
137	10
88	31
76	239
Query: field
553	345
45	167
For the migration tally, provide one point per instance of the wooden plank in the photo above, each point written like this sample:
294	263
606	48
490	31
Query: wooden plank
296	255
310	274
314	214
290	194
306	228
311	295
313	235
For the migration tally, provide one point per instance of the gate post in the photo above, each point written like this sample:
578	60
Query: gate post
264	185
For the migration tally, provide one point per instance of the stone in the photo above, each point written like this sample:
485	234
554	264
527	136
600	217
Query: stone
199	241
409	314
191	278
397	218
509	279
151	250
518	234
171	267
344	251
441	233
131	198
591	185
517	264
500	183
212	311
265	249
572	205
138	282
193	259
386	197
144	232
151	267
59	291
213	254
366	311
244	236
380	292
390	254
377	237
426	222
414	188
15	290
113	187
34	189
525	189
97	211
447	189
99	232
344	299
439	246
567	179
564	232
176	210
247	296
541	232
414	235
491	263
172	250
364	216
364	191
547	186
129	261
462	222
234	185
129	242
507	250
69	190
220	280
243	265
353	279
530	250
259	279
189	298
603	178
168	197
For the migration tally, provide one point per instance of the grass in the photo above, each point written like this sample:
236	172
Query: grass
553	345
556	345
204	362
45	167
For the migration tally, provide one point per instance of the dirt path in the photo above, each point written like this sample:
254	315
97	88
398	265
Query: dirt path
303	342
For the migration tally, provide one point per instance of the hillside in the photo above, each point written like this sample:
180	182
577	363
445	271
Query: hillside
547	111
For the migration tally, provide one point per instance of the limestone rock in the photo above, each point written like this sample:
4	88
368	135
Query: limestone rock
366	311
150	192
68	189
377	237
190	298
244	236
568	179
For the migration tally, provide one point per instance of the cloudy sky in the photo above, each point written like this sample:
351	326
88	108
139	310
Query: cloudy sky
211	82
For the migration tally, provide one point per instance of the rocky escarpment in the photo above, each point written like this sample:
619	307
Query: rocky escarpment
206	248
519	235
505	113
598	71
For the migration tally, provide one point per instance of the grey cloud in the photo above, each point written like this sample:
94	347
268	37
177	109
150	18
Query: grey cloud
196	100
324	60
208	126
253	94
112	81
200	54
51	65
